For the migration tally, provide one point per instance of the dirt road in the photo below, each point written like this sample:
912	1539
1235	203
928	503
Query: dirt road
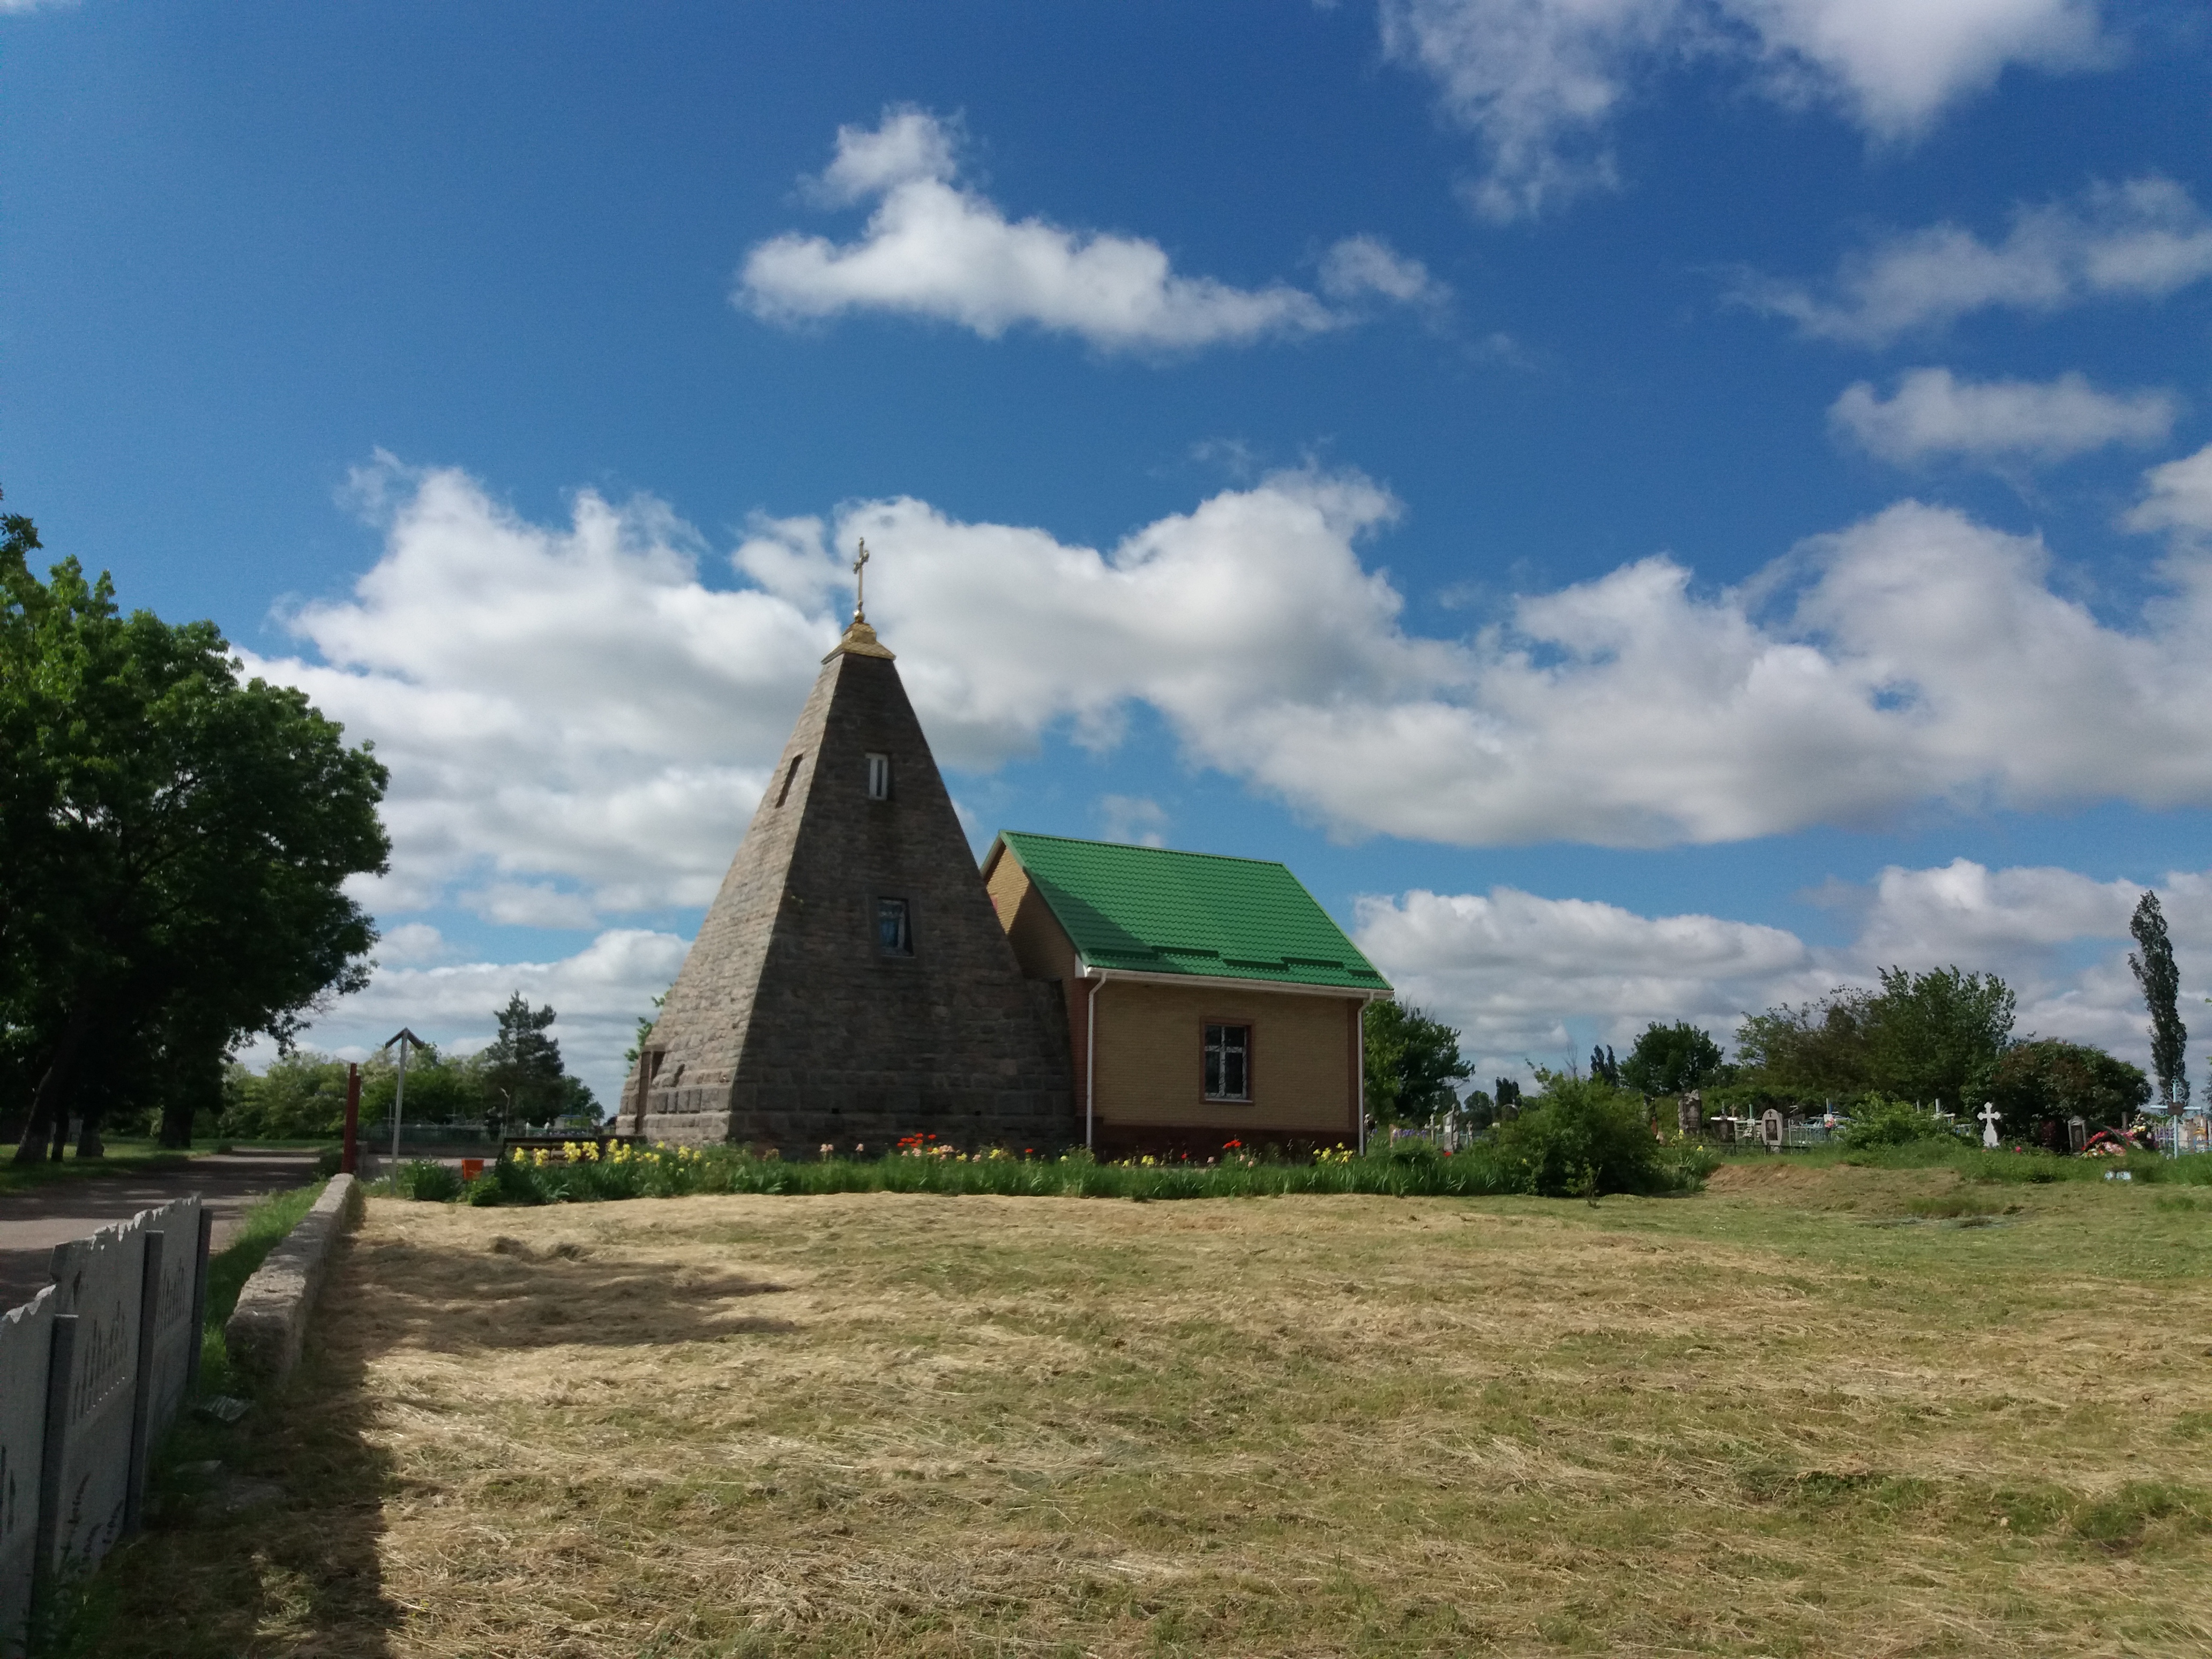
32	1223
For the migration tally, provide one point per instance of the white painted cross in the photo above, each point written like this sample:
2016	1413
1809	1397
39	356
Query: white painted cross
1989	1115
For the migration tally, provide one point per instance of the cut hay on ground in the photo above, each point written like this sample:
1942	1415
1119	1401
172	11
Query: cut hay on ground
1794	1416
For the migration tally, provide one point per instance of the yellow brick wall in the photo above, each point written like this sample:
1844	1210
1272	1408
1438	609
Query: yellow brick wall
1152	1037
1150	1049
1041	945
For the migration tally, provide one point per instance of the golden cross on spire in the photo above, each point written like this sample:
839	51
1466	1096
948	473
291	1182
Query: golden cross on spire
860	583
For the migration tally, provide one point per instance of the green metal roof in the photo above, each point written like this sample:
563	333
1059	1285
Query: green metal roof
1144	909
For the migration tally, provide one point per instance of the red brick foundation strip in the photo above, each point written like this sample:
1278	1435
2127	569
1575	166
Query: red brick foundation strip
270	1324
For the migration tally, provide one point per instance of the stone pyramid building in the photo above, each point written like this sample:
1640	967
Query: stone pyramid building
850	982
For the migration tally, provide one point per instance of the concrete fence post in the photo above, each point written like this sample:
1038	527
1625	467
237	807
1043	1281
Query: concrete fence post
26	1344
52	1473
199	1301
141	1397
93	1391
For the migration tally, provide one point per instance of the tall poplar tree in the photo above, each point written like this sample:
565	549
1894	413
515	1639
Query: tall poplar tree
2161	987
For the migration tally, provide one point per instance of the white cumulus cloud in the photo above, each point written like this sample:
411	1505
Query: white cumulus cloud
600	994
579	723
1933	414
935	248
1541	80
1530	978
566	701
2140	240
2179	496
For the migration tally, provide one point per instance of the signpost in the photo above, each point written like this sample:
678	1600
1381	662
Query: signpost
403	1037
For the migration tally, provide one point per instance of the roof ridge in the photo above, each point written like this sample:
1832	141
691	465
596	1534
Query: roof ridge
1133	847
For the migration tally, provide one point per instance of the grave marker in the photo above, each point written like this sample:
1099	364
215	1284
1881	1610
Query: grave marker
1769	1129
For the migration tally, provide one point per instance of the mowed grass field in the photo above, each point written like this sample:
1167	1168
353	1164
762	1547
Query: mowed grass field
1812	1411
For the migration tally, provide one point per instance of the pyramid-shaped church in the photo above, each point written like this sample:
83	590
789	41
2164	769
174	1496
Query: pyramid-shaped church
850	982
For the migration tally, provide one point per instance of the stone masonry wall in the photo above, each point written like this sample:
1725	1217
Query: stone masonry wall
789	1028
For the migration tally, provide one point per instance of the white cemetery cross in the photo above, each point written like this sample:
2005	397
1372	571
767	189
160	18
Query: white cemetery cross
1989	1115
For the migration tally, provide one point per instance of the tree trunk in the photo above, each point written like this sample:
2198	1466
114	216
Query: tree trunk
177	1120
193	1083
49	1120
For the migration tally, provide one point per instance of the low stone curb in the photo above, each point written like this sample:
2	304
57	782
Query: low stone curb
268	1325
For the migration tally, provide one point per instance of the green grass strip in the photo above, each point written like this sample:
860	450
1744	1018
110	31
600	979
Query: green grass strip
259	1231
125	1158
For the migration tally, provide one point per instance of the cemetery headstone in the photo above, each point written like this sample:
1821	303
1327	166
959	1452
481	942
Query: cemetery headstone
1990	1116
92	1397
1689	1113
26	1335
1769	1129
2077	1133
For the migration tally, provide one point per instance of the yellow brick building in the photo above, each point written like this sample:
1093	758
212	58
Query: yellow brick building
1210	1000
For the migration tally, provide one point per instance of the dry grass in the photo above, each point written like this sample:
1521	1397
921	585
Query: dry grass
1810	1413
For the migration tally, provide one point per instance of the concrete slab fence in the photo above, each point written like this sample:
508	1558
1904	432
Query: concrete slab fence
94	1371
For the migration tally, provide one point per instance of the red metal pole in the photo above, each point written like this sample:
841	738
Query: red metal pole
351	1161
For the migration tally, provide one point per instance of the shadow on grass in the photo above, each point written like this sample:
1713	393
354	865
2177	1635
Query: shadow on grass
514	1295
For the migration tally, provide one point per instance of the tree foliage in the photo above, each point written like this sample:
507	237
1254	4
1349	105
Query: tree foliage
1671	1060
2048	1078
1413	1062
1929	1036
2152	962
522	1068
1582	1137
174	844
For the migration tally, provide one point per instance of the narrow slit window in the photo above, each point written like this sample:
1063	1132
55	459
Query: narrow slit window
790	777
1229	1062
879	777
894	928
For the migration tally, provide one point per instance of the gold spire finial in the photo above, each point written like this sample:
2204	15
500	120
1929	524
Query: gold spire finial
860	639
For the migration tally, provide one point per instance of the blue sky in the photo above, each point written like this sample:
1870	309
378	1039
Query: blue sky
1650	507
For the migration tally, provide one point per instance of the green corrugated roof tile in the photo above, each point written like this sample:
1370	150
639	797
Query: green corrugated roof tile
1149	910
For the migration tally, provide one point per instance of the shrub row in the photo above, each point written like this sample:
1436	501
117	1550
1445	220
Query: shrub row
1582	1142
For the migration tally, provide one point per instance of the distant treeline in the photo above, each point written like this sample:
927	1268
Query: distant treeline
519	1081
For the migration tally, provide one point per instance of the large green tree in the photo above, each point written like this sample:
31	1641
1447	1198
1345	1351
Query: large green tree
2045	1079
1937	1036
1929	1036
2152	962
1811	1050
522	1067
173	846
1413	1062
1669	1060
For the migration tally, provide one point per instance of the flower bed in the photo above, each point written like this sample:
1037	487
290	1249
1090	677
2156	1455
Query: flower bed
921	1164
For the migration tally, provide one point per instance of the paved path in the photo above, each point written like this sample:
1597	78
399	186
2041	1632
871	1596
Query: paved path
32	1222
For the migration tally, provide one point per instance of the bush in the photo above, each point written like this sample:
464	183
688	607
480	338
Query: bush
1878	1120
1409	1170
1582	1138
427	1179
